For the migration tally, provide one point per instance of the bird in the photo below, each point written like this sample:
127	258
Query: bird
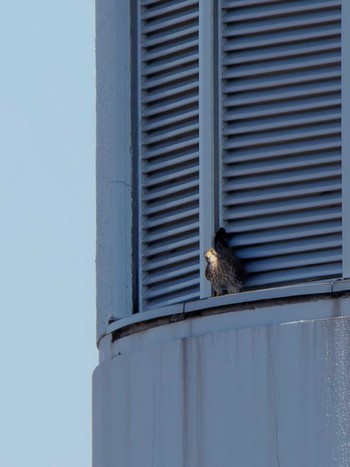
224	269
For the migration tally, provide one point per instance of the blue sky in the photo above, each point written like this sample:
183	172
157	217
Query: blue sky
47	211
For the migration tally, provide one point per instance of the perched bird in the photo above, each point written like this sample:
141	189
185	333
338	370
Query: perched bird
224	269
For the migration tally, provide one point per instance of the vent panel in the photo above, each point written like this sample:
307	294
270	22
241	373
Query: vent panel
281	138
169	159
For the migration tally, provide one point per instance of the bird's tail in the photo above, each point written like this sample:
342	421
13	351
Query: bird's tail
221	239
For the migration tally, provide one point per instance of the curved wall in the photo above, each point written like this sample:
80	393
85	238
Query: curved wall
218	391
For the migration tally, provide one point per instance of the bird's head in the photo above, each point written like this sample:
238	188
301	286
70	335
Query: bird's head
211	256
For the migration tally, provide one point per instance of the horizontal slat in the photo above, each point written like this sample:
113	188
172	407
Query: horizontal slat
167	191
171	234
168	289
279	221
171	218
181	75
177	48
292	9
303	245
256	69
170	64
171	120
282	164
163	23
278	207
281	26
172	147
163	164
295	275
167	107
152	3
287	234
171	274
281	95
229	4
278	54
267	153
289	191
179	92
252	43
265	125
294	261
169	247
153	183
282	179
284	108
164	9
164	135
184	296
176	259
170	205
288	137
167	37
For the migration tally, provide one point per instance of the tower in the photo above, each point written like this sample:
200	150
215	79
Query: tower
222	113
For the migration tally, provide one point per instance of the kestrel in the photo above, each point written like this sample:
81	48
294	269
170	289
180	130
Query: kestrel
224	269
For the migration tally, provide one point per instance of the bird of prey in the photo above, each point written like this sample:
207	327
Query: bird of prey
224	269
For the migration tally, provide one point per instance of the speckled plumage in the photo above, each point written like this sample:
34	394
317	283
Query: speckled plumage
224	269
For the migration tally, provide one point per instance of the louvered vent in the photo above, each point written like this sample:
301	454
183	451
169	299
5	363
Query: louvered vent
281	141
169	152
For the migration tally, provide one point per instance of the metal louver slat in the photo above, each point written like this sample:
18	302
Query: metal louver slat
183	187
171	275
171	35
280	96
172	218
282	110
248	197
286	65
162	261
152	83
255	27
295	36
298	51
239	128
310	149
277	10
169	152
157	249
160	123
163	164
168	93
276	165
163	8
292	247
273	208
269	240
281	137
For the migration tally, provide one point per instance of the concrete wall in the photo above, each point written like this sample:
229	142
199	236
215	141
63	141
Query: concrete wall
113	167
255	396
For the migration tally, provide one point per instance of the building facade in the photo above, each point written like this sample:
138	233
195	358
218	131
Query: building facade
226	113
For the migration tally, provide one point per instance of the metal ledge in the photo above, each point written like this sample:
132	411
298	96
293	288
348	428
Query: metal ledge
240	300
